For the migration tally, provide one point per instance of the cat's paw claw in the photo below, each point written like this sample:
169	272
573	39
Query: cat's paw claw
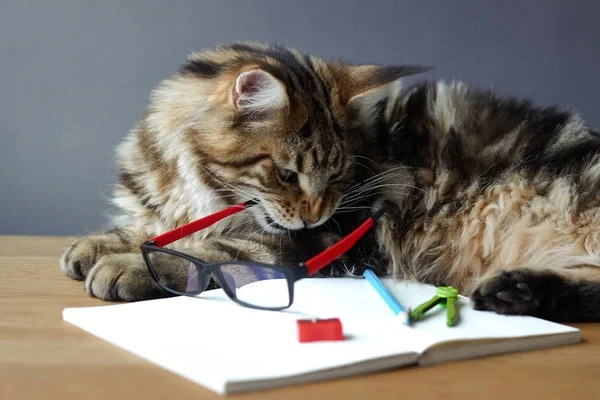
122	277
79	258
510	292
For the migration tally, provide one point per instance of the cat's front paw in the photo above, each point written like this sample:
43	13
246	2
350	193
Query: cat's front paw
122	277
80	257
78	260
515	292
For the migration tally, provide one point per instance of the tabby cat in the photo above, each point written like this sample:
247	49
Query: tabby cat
491	195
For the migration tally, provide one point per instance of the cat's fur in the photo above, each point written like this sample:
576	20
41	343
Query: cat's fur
491	195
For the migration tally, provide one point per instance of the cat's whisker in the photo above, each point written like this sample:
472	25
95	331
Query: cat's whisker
355	201
356	198
399	184
368	159
381	178
384	175
373	186
262	229
347	211
357	195
332	219
365	196
363	165
354	208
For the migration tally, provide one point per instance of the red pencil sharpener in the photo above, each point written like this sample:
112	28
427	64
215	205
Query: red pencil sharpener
314	330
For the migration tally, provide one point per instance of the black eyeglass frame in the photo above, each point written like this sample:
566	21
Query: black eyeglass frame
291	274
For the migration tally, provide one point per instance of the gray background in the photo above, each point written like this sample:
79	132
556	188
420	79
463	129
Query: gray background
75	75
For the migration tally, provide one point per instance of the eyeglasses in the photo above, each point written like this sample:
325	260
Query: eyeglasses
273	287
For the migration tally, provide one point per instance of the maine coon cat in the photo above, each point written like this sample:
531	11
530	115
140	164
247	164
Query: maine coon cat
491	195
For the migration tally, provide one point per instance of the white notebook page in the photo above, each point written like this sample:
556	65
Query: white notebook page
215	342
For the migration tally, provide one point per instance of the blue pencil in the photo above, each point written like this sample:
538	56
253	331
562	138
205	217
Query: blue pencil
389	299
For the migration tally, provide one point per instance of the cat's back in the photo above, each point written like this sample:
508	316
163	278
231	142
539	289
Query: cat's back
479	134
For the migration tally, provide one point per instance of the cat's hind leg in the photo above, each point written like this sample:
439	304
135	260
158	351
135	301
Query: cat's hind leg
570	295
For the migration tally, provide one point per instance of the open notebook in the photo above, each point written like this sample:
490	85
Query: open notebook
228	348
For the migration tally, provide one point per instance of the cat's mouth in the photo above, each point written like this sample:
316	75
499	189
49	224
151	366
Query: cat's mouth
274	224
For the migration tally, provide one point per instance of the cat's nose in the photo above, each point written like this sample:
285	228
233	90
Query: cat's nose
313	213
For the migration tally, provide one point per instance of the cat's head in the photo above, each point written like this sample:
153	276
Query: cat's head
267	122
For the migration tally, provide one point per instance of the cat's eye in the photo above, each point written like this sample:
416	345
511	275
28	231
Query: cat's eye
287	176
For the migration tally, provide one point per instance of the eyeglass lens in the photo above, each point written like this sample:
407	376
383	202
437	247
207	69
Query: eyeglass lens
178	274
256	285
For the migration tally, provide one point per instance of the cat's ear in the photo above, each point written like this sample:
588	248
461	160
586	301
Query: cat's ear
260	92
357	80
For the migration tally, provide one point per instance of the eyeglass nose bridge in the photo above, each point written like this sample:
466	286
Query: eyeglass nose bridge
198	278
230	282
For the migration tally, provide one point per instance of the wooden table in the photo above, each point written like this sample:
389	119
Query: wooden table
43	357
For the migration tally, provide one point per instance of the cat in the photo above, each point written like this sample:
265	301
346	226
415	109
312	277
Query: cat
489	194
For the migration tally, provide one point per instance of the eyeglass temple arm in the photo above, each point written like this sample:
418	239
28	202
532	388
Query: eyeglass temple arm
194	226
328	255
